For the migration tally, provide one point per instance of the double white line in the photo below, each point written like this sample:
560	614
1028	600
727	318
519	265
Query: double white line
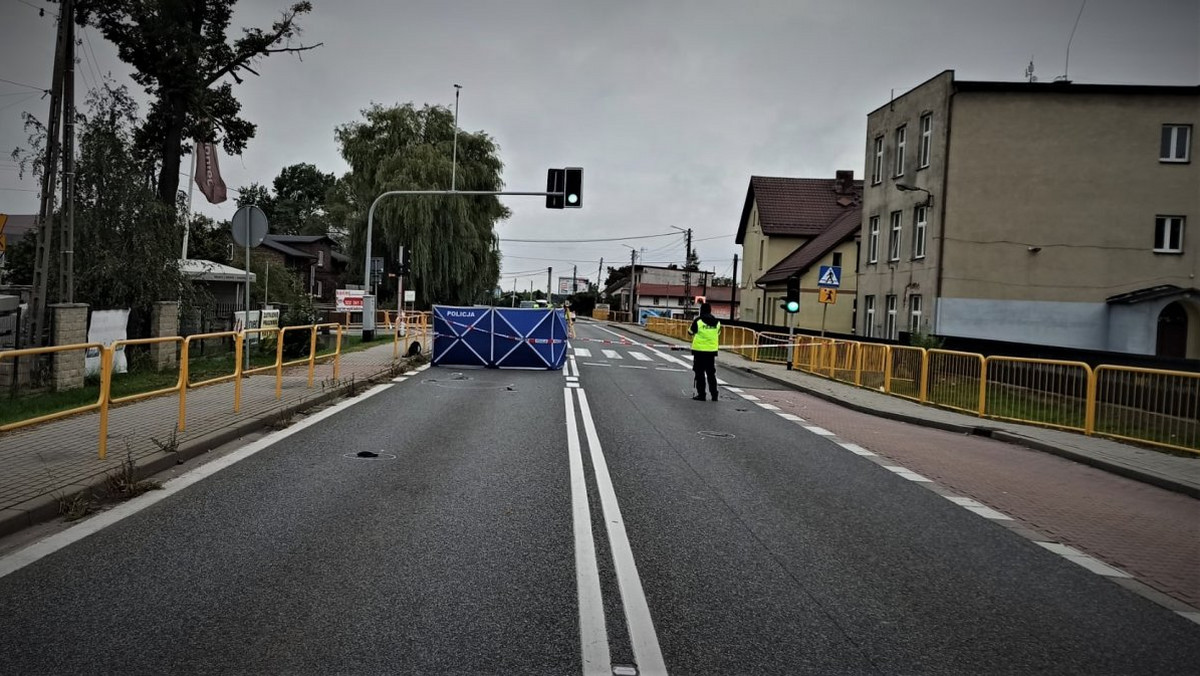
597	660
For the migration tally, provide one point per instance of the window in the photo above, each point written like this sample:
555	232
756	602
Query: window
873	240
877	166
901	135
894	237
654	300
890	330
761	248
321	259
320	289
869	316
921	220
926	139
837	259
1176	139
914	314
1168	234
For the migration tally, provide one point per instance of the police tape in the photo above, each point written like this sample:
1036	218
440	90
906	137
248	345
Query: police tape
601	341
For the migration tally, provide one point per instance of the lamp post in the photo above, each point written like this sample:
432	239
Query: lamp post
902	187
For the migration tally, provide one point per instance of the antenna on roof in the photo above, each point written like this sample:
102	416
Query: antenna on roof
1067	66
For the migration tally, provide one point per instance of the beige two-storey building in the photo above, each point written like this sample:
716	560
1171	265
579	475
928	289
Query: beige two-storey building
1046	213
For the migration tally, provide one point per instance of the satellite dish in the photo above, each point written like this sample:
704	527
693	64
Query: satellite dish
249	226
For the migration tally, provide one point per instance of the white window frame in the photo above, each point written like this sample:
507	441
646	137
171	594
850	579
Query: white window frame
873	240
890	328
1163	232
877	166
920	226
869	316
901	143
894	235
914	314
926	140
1173	131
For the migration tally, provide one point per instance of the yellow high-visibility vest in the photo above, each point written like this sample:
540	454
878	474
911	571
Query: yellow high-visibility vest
707	337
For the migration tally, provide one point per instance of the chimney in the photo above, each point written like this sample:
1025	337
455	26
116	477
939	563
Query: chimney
844	183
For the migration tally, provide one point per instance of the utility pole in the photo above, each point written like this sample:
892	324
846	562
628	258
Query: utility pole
514	298
687	274
599	271
45	232
574	276
66	272
454	159
549	274
632	284
733	313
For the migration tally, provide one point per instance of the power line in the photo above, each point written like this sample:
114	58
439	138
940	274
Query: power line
19	101
22	84
584	241
88	41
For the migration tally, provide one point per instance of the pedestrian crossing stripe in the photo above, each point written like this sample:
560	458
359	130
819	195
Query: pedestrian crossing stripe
612	354
639	356
582	352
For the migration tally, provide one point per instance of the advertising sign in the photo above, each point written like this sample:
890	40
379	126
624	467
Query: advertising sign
349	300
564	285
106	326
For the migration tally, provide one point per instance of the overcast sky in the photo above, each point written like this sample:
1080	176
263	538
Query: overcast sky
670	106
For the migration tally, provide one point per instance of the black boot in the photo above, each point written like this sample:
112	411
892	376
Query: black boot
698	397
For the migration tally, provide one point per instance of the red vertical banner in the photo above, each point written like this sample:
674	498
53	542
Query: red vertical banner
208	173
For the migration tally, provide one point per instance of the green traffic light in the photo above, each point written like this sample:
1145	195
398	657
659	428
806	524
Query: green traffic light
793	306
572	198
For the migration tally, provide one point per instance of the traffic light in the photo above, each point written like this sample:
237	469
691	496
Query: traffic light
554	183
573	187
405	261
792	302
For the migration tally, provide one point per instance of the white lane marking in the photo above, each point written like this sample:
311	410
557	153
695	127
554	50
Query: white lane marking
642	635
612	354
769	407
721	382
18	560
856	449
1075	556
573	385
624	366
582	352
595	363
639	356
668	368
593	635
399	379
906	473
420	368
818	430
573	379
749	397
738	390
663	355
791	416
979	508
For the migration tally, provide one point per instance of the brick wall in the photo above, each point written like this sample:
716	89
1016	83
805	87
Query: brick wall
164	321
68	326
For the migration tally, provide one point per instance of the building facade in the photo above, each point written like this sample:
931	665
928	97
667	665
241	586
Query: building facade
1046	213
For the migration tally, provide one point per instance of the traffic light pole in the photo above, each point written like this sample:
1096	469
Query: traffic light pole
791	340
369	322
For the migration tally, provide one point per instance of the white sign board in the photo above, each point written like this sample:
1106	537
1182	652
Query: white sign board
349	300
410	296
564	285
106	326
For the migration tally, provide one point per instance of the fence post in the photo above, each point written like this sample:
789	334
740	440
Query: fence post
858	360
924	375
1089	420
337	353
239	345
279	364
106	359
312	355
183	382
983	368
887	369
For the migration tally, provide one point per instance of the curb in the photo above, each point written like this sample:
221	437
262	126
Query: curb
1144	476
46	507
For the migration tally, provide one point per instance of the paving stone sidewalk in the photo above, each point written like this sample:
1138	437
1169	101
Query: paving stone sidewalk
38	464
1173	472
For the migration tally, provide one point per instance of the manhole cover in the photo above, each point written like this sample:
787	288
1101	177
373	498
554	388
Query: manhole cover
369	455
715	435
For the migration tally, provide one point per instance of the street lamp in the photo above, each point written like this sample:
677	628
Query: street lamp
687	270
902	187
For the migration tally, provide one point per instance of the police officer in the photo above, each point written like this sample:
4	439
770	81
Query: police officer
706	336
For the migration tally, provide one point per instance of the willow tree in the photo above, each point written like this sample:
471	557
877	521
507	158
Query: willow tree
451	239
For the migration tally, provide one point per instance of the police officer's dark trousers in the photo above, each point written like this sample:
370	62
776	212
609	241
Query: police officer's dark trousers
705	366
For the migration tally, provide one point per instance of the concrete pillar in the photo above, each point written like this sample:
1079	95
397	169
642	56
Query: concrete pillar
68	326
164	321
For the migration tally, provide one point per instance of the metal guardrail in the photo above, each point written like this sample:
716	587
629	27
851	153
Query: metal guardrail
1149	406
183	383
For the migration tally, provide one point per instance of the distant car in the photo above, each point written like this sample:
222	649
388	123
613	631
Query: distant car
528	304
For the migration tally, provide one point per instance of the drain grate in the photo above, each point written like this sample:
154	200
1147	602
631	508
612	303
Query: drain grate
715	435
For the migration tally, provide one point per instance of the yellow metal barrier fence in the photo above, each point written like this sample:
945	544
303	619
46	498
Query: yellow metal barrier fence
1148	405
956	380
185	366
1043	391
106	382
38	352
906	372
871	365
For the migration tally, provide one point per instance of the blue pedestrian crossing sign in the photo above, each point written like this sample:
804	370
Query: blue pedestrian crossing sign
831	277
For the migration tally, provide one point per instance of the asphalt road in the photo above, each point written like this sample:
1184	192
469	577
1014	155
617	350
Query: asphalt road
723	539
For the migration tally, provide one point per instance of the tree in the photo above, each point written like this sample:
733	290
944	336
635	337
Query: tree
180	55
297	206
616	275
208	240
453	247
